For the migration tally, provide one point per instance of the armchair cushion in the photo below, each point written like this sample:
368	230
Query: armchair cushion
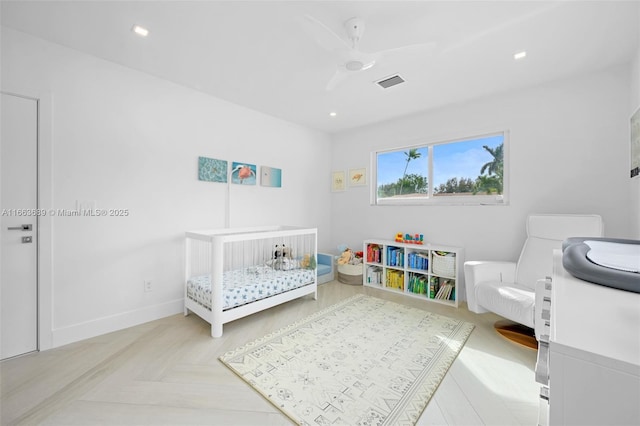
509	300
324	269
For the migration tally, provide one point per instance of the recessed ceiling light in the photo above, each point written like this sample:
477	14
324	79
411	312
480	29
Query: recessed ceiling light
141	31
333	114
520	55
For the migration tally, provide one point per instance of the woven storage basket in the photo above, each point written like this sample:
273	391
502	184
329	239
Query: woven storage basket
443	265
350	274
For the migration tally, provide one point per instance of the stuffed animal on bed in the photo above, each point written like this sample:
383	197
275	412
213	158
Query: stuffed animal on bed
308	262
282	259
284	252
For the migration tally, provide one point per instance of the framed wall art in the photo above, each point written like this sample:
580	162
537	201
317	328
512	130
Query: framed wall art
338	181
358	177
212	170
243	173
270	176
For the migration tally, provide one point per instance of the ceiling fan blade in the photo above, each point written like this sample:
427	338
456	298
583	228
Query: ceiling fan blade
411	49
323	35
338	78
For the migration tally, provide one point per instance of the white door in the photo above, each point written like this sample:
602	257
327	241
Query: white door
18	203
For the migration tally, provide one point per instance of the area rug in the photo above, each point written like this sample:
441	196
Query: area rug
363	361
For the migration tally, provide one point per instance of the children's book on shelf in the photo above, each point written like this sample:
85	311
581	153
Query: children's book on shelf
418	284
395	256
446	291
434	286
395	279
418	260
373	253
374	275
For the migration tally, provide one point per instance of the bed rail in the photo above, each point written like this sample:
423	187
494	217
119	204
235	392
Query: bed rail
237	259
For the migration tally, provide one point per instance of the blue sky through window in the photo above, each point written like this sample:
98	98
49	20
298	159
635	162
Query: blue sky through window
391	165
462	159
458	159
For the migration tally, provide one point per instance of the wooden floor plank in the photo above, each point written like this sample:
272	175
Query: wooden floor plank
168	372
87	413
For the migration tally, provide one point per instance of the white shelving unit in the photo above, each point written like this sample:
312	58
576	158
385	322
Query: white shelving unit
409	269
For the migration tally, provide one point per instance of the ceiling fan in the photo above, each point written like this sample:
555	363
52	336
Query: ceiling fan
349	59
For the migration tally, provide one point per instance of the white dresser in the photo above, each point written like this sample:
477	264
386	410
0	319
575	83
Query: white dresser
591	364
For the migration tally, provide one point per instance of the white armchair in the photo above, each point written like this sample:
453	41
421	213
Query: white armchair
508	288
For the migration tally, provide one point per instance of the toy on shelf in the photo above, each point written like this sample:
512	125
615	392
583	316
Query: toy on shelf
409	239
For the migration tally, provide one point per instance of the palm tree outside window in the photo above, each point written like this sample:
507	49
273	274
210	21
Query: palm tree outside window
467	171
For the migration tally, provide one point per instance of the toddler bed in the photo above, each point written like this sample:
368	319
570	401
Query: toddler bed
232	273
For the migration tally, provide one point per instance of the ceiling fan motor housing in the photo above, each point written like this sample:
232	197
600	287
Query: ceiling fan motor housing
354	65
355	29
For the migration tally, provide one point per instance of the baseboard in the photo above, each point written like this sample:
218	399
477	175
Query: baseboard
100	326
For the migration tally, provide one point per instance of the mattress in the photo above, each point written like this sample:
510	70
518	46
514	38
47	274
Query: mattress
247	285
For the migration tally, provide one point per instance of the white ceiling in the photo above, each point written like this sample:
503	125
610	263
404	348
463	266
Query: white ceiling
257	53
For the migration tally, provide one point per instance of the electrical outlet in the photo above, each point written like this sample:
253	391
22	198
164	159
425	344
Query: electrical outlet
147	286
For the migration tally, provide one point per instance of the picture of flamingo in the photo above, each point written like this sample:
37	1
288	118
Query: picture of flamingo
243	173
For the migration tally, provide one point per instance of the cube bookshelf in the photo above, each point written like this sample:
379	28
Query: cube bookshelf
430	272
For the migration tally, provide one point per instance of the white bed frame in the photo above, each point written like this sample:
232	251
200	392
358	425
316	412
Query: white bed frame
215	265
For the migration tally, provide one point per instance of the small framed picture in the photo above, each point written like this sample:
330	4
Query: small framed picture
358	177
212	170
271	176
243	173
338	181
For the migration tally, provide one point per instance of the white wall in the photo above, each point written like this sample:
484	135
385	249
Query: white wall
635	104
568	148
128	140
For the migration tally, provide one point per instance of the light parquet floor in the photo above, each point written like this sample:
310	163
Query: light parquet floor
167	372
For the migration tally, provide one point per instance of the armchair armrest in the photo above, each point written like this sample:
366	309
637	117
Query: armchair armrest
476	271
326	273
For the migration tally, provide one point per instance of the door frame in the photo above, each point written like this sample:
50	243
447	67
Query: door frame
44	191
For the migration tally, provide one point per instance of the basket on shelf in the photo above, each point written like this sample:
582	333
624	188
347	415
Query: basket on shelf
444	265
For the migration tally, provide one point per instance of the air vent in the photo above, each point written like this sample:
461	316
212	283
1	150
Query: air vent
387	82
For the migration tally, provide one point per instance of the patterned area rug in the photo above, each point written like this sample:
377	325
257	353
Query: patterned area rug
363	361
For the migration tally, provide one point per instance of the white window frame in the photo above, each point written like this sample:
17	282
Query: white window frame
430	199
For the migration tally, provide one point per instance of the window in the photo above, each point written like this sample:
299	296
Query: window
464	171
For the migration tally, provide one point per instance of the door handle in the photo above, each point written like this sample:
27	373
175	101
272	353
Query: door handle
26	227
